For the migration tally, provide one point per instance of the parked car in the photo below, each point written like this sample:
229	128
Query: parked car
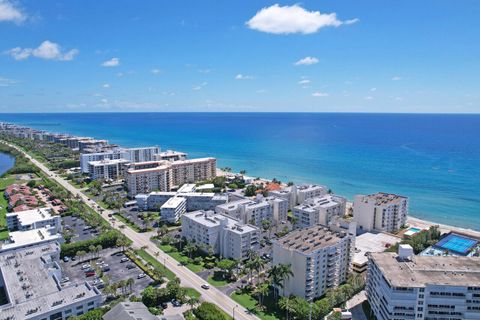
66	259
141	275
130	266
176	303
164	305
124	260
90	273
86	266
105	268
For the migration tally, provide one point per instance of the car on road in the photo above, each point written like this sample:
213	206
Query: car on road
205	286
141	275
124	260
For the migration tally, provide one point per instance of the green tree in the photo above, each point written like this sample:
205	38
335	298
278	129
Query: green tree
250	190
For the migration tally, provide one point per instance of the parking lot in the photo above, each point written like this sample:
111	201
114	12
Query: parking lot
118	270
78	227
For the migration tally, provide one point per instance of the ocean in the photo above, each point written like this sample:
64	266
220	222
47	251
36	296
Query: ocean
434	159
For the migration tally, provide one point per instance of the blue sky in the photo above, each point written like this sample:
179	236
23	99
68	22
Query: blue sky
320	56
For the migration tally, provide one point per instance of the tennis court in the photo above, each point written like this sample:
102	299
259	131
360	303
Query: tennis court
456	243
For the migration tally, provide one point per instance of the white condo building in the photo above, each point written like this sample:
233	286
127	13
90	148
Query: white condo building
142	154
255	211
320	259
85	158
33	219
173	209
407	287
296	195
227	237
31	278
320	210
380	212
107	169
195	200
170	155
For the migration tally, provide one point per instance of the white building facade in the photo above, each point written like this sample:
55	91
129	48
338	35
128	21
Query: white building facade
320	210
33	219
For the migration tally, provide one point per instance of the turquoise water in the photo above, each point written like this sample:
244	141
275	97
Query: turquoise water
433	159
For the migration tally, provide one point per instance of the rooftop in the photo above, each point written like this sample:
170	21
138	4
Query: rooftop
310	239
18	239
381	198
173	202
371	242
31	216
129	311
31	283
188	187
107	162
212	219
424	270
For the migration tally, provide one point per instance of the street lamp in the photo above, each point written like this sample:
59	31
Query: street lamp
234	311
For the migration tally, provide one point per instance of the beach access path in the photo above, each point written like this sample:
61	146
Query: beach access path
187	277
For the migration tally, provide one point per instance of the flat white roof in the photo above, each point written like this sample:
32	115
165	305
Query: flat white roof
371	242
20	239
31	216
107	162
212	219
174	202
207	186
188	187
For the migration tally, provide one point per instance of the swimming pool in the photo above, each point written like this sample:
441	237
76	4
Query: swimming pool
457	243
411	231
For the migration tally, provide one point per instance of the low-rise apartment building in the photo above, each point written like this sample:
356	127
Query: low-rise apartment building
227	237
31	278
320	210
320	259
380	211
33	219
407	287
195	200
173	209
171	155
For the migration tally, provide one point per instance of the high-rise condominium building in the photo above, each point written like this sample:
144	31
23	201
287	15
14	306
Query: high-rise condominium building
380	212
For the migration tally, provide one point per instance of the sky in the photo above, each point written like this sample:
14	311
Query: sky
240	56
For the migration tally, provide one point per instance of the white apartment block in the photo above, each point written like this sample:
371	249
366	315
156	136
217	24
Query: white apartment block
289	194
107	169
255	211
142	154
31	278
173	209
145	177
406	287
170	155
380	212
320	259
320	210
193	170
33	219
195	200
85	158
29	238
227	237
309	191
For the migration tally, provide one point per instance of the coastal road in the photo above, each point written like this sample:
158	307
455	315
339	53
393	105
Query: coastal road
187	277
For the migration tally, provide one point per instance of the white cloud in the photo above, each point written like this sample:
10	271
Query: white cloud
396	78
199	87
373	89
106	85
156	71
320	94
261	91
114	62
307	61
304	81
368	98
10	12
46	50
5	82
243	77
293	19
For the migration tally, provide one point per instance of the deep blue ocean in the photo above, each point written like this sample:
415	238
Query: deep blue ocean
432	159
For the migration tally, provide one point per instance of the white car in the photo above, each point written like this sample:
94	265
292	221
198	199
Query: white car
86	266
205	286
141	275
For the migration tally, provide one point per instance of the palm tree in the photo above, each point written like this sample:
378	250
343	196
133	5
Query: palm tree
243	172
91	250
98	249
258	264
81	254
192	302
130	283
190	248
274	275
286	304
284	274
261	291
122	242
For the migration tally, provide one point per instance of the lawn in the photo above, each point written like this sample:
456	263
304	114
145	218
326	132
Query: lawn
156	264
3	234
3	211
217	280
5	182
192	293
184	260
251	304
